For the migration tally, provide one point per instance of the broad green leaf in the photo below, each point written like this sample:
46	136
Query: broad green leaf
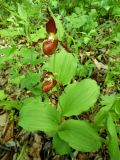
100	117
77	19
108	100
41	33
37	90
29	55
79	97
7	51
113	145
116	10
30	80
108	103
60	29
2	95
7	54
39	118
60	146
80	135
63	65
117	105
10	104
17	79
31	101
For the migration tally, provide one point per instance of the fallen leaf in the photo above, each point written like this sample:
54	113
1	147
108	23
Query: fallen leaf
8	133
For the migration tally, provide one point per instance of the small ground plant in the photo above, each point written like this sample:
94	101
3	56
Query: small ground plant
60	79
66	132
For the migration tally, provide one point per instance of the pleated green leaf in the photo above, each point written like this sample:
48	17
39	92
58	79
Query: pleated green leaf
80	135
79	97
63	65
60	146
60	29
113	146
43	118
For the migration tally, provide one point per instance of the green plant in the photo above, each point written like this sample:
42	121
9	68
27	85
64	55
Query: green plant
24	19
47	48
107	118
78	134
